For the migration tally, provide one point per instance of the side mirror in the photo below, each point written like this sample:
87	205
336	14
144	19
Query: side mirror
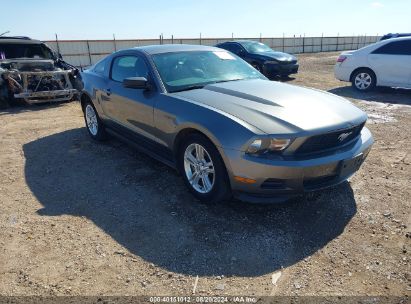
136	83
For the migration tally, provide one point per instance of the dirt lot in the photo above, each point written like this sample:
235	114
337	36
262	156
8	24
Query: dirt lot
82	218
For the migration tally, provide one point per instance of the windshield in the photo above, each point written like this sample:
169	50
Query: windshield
20	50
256	47
190	70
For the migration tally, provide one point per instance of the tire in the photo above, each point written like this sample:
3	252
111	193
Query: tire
7	99
10	101
94	125
206	186
363	80
4	102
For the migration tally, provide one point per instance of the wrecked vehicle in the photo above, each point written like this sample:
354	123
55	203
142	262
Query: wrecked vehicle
32	72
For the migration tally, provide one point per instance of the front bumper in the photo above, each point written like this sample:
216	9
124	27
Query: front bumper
278	180
47	96
280	69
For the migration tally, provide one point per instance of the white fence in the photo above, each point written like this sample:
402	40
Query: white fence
83	53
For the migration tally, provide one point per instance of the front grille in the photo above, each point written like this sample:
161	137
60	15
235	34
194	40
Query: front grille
288	62
318	182
330	140
273	183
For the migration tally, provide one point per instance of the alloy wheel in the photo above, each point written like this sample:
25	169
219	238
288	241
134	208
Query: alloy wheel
91	120
199	168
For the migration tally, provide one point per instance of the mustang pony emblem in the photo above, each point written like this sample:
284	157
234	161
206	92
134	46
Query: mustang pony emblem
343	136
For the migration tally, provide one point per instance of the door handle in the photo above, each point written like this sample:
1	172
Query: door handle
108	92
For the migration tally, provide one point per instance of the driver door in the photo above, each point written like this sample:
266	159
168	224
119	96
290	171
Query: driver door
392	63
128	107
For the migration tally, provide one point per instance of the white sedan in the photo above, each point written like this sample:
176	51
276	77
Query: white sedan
385	63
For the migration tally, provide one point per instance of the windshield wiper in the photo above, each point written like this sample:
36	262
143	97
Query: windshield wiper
192	87
220	81
200	86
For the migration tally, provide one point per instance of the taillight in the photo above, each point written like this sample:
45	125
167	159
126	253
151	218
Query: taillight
341	58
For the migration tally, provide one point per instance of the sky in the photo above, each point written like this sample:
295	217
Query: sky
127	19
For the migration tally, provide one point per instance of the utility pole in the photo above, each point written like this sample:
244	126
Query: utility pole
57	44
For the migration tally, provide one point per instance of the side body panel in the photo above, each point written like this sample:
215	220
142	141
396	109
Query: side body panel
391	70
172	115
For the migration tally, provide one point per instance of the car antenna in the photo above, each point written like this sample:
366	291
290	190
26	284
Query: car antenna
6	32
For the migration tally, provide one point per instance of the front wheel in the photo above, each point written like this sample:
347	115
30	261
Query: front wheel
364	80
93	123
203	170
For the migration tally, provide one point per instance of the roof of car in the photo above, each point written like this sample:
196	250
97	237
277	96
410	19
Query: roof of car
172	48
392	35
389	40
18	40
398	38
242	41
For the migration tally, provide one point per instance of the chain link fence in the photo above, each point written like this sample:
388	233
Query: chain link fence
83	53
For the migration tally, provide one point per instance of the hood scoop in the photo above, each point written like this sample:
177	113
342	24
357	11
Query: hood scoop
242	95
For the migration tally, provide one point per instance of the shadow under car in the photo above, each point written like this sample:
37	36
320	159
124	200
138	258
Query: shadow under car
379	94
145	207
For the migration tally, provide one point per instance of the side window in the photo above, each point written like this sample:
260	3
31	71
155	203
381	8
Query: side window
100	67
395	48
128	66
236	49
227	46
233	48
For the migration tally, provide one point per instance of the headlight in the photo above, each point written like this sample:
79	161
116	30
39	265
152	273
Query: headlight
268	145
271	62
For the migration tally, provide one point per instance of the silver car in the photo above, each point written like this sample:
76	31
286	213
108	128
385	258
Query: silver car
227	129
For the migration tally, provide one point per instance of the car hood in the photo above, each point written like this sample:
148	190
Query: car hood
278	108
280	56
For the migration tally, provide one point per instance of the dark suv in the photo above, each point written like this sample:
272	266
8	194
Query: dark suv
271	63
32	72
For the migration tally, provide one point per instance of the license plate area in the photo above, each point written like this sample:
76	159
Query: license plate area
321	171
351	165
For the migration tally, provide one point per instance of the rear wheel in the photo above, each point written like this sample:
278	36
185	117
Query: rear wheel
93	122
203	170
364	80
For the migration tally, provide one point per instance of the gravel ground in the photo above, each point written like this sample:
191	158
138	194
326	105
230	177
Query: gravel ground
83	218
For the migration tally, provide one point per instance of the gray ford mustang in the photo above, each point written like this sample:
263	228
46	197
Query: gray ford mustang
227	129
